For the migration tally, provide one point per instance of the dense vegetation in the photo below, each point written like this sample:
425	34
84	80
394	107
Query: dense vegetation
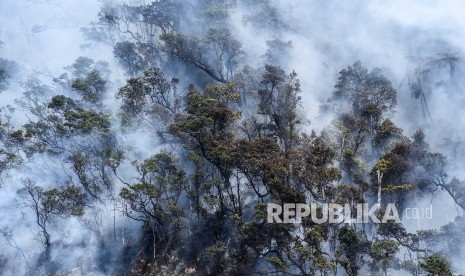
230	138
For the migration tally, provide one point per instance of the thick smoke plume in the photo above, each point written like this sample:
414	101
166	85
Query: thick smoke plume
63	204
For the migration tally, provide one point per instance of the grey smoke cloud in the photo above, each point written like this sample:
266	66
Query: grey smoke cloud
397	36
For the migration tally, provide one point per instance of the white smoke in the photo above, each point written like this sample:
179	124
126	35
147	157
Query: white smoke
44	36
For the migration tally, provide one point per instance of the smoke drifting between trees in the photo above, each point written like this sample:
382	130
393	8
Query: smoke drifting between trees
169	172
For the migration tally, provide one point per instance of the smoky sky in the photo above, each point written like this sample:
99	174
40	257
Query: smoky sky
44	36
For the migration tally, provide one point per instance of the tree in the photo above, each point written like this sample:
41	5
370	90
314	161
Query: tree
92	87
313	165
141	23
50	204
7	68
130	57
359	88
207	129
352	249
253	160
10	139
216	54
154	199
363	100
277	52
226	51
151	95
248	82
421	86
279	103
264	14
3	78
133	31
35	97
386	133
383	255
436	264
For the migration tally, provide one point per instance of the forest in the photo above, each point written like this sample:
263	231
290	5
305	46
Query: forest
151	137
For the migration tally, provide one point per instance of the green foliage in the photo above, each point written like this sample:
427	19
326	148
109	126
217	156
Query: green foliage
151	95
8	160
278	51
69	201
382	165
392	188
92	86
241	142
154	199
263	14
275	261
81	164
362	88
3	78
353	247
224	93
86	120
49	204
63	119
279	101
207	124
196	51
313	165
383	254
385	134
436	264
62	103
7	69
130	57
